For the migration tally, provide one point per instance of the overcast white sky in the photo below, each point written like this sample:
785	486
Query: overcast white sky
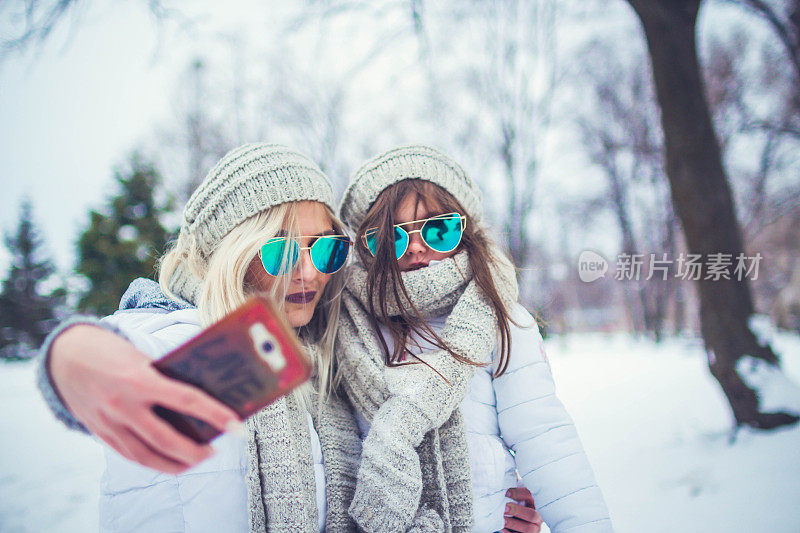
72	110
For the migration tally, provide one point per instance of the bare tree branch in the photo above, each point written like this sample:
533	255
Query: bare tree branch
41	19
785	27
39	23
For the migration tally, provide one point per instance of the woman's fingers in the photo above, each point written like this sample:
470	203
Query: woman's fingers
188	400
146	456
148	440
522	517
131	408
522	495
521	512
520	526
163	439
129	446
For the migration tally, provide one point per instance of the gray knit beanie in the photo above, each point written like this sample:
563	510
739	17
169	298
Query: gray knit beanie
246	181
408	162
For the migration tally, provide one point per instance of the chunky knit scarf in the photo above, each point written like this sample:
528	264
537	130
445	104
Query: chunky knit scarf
414	472
280	479
280	476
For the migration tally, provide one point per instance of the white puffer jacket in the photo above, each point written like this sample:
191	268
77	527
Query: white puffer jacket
516	423
211	496
520	412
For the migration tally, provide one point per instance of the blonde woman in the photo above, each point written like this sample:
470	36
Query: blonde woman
261	222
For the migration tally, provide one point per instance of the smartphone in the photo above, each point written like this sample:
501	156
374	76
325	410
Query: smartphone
246	360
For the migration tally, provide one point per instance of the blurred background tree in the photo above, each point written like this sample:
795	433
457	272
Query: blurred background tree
125	239
30	303
621	135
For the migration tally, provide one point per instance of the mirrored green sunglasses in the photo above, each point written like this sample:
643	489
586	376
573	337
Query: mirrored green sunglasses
441	233
328	253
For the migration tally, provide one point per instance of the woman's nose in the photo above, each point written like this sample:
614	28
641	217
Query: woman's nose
304	271
415	244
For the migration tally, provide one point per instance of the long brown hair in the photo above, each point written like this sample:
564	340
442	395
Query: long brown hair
384	280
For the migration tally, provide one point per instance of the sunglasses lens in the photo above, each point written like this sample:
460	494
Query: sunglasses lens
329	253
273	254
400	242
442	234
371	238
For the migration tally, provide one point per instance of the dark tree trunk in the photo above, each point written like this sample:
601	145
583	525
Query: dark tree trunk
516	229
702	199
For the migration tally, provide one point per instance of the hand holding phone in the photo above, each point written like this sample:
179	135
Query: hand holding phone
246	361
110	386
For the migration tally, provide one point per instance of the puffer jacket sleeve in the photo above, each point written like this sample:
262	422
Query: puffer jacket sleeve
152	332
548	452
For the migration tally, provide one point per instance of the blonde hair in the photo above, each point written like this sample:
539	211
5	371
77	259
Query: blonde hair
223	287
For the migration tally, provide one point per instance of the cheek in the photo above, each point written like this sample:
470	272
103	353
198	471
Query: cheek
323	280
443	255
257	278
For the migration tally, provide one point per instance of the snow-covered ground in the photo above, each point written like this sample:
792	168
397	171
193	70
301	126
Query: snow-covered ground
658	431
652	419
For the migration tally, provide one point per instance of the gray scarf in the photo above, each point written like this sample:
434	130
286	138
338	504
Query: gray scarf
281	491
280	475
414	472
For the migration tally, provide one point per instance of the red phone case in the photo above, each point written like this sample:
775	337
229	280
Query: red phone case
246	361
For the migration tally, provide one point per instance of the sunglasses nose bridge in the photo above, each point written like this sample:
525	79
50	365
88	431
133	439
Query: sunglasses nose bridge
304	268
419	244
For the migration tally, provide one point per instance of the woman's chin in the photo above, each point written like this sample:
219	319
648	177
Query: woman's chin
299	315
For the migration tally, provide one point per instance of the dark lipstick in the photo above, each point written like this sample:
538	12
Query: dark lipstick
301	297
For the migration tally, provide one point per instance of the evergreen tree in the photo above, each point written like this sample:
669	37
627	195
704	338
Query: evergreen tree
27	314
124	240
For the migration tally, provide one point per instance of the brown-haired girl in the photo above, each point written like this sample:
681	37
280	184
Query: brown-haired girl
445	368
